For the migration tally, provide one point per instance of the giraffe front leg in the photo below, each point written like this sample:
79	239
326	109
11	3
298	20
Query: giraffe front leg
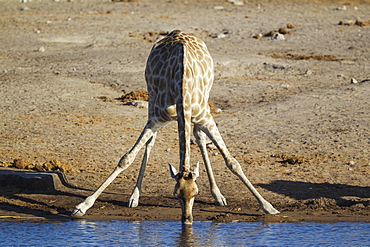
200	138
81	208
123	164
133	201
213	133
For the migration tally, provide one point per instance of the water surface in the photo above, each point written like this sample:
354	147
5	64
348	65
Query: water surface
160	233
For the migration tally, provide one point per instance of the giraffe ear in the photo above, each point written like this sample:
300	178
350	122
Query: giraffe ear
173	171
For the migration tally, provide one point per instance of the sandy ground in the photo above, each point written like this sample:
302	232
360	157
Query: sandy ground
290	114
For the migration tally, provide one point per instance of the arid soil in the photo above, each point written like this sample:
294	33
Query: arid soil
295	111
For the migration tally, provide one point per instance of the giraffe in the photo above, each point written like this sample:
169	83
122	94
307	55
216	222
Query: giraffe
179	77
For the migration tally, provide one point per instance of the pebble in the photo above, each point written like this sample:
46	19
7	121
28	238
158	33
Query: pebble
341	8
353	80
218	110
257	36
218	8
24	8
41	49
211	146
138	103
235	2
351	163
278	36
308	72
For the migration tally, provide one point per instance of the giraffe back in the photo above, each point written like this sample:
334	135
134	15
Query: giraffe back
179	76
179	64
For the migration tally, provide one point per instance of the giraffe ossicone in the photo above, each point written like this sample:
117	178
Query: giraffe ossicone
179	76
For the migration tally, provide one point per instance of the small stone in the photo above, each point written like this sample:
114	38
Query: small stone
41	49
308	72
283	31
278	36
218	110
5	164
20	163
353	80
351	163
211	146
218	8
341	8
236	2
290	25
221	35
24	8
257	36
138	103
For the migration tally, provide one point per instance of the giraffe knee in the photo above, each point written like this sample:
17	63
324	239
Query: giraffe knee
125	162
234	166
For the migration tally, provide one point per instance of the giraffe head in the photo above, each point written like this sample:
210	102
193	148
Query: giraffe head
186	189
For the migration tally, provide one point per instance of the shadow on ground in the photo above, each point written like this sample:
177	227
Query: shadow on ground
344	195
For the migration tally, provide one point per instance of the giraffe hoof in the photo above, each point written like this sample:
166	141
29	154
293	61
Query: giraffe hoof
77	212
268	208
221	201
132	203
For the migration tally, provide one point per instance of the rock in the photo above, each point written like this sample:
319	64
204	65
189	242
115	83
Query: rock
308	72
138	103
290	25
24	8
257	36
351	163
218	110
55	165
221	35
236	2
284	31
341	8
278	36
353	80
20	163
218	8
5	164
41	49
